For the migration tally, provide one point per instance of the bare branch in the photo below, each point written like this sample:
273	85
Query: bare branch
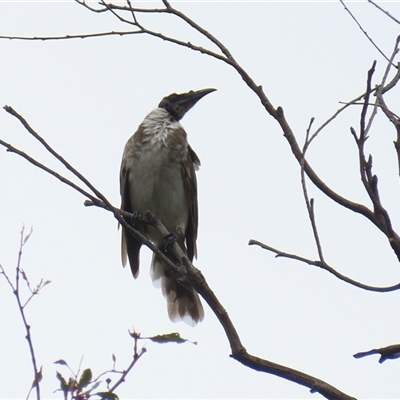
330	119
136	357
133	12
318	182
239	352
67	165
393	118
134	22
36	163
382	86
385	12
326	267
77	36
124	8
386	88
363	130
37	373
310	203
364	31
369	180
387	353
394	81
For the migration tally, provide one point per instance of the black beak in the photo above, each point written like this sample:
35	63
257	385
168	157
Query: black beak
179	104
188	100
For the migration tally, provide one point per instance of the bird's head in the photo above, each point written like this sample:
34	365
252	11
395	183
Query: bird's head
179	104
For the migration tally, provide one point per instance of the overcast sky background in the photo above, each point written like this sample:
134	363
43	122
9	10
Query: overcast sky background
86	97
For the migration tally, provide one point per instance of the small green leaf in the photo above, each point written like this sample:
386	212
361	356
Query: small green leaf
107	396
61	362
173	337
63	384
85	378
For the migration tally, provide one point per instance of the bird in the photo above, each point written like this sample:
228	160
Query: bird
158	175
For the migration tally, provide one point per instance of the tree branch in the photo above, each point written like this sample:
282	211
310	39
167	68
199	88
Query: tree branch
323	265
363	30
37	373
385	12
77	36
310	202
196	279
386	353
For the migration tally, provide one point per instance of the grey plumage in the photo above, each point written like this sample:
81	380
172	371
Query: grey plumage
158	174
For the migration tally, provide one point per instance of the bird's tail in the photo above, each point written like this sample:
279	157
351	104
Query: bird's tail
183	303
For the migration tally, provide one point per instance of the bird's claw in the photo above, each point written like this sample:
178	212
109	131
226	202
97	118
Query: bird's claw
136	218
136	215
169	239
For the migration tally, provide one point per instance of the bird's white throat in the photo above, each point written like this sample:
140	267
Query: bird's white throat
158	125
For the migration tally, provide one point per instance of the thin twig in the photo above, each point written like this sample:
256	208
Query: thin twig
369	180
124	8
136	357
310	202
364	31
118	16
393	118
77	36
386	88
133	13
36	163
363	129
384	11
16	291
382	86
330	119
56	155
323	265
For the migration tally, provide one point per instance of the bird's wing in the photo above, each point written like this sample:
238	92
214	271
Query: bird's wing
129	245
190	164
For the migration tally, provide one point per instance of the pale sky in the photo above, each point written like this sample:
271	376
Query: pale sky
87	97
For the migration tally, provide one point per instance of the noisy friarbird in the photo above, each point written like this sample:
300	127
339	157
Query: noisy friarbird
158	174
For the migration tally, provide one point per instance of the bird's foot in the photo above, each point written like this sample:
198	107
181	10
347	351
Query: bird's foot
136	218
137	215
171	238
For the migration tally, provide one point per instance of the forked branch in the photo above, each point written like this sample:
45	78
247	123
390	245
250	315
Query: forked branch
16	288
